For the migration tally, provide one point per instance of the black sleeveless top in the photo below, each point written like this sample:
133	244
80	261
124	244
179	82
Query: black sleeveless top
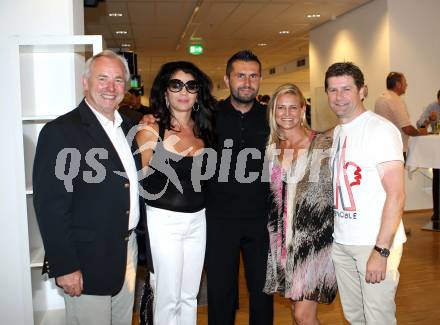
168	182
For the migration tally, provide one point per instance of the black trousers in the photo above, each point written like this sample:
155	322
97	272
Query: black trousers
435	193
225	239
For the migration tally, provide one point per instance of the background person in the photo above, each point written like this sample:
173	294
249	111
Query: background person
264	100
391	106
87	229
181	97
431	114
136	102
126	109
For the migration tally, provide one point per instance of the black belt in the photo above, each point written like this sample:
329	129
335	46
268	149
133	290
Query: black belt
129	234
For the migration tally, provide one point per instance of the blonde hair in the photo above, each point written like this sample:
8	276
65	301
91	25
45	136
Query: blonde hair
275	135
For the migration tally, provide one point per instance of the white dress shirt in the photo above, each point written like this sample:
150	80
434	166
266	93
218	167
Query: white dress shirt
117	137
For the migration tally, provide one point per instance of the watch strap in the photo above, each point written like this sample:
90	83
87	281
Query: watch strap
385	252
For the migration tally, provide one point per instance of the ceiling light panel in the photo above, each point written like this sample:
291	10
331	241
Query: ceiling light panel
122	32
116	12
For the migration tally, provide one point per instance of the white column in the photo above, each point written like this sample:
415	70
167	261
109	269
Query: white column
381	36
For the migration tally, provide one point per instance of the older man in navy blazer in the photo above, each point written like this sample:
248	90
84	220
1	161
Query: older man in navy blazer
87	201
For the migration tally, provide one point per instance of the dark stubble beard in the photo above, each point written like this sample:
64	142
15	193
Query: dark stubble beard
241	99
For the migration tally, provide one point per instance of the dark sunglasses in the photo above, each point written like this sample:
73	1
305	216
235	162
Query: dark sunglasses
176	85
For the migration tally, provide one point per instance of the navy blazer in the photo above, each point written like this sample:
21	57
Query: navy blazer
82	205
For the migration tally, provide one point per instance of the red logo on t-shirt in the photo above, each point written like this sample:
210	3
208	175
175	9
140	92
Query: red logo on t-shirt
345	168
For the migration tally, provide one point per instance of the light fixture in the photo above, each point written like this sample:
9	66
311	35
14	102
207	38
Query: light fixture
121	32
284	32
115	14
316	15
125	45
262	44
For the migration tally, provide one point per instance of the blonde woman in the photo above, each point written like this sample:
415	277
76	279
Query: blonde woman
301	219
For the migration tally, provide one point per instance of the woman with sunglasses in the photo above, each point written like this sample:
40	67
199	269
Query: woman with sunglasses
170	148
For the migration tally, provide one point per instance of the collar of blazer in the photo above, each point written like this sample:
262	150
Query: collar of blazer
95	130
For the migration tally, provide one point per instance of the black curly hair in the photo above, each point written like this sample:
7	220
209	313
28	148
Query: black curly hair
203	117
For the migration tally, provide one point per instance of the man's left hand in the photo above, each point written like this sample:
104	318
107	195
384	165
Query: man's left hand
376	268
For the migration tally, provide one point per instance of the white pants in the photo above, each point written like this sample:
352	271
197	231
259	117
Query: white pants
362	302
177	242
107	310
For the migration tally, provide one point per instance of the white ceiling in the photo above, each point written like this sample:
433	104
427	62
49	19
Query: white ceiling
161	31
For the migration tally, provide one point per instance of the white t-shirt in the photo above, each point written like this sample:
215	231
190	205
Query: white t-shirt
359	197
117	137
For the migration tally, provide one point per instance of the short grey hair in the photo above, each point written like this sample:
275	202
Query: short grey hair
110	55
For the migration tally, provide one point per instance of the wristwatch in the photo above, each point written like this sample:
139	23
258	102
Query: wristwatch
385	252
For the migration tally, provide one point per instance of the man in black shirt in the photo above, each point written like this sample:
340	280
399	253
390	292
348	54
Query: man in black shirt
136	102
237	199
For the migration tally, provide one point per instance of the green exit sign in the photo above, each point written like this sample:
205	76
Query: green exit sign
196	49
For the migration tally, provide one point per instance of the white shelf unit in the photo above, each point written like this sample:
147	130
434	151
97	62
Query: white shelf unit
50	68
42	118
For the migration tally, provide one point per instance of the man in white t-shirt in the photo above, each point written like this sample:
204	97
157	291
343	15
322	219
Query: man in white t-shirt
368	186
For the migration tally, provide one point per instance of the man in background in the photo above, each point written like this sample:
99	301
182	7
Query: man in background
392	106
136	103
125	108
431	115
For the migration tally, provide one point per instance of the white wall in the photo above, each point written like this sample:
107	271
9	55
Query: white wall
415	49
360	36
20	17
381	36
268	86
39	17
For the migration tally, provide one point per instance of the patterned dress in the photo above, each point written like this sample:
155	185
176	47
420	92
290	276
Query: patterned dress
300	227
